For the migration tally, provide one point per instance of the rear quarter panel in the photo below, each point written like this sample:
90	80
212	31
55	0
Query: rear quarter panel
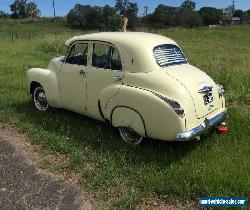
161	122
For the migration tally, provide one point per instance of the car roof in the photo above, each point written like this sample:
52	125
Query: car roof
135	39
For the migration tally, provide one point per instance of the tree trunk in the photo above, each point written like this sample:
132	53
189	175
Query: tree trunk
125	24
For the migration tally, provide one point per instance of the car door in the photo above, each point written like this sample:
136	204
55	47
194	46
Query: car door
73	78
105	71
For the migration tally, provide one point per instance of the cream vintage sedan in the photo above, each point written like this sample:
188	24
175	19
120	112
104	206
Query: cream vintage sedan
139	82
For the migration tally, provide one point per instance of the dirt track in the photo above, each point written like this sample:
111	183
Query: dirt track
24	186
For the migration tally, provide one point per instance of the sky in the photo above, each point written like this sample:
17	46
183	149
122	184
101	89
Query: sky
63	6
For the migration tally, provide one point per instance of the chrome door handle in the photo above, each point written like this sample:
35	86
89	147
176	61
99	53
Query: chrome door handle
82	73
117	78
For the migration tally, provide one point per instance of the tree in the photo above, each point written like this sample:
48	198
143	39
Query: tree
93	17
229	10
247	13
32	11
238	13
108	12
84	16
195	20
22	9
3	14
148	20
210	15
184	16
165	16
246	17
18	9
132	10
126	8
145	13
186	12
188	4
76	17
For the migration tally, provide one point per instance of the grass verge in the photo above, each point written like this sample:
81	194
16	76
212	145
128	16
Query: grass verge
120	175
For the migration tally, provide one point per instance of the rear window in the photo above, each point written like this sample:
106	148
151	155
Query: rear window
168	54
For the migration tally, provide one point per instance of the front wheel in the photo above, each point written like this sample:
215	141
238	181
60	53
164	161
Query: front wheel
130	136
39	98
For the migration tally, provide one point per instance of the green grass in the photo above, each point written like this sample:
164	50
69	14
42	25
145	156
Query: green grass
117	174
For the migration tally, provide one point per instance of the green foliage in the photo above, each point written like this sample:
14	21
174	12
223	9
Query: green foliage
188	4
93	17
3	14
246	17
210	15
18	9
107	18
247	13
110	18
22	9
126	8
52	46
165	16
238	13
32	11
189	18
195	20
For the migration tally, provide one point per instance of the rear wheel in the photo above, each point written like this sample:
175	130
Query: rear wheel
39	99
130	136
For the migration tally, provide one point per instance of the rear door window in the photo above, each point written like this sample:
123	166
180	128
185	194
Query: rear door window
106	56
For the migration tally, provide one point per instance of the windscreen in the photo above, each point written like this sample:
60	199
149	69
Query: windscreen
168	54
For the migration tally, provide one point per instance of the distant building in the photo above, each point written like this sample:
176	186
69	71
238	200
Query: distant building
235	21
229	20
212	26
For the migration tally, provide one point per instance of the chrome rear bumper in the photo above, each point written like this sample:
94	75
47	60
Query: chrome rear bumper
202	128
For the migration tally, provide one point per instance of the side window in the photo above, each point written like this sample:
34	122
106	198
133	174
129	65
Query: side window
106	56
116	63
78	54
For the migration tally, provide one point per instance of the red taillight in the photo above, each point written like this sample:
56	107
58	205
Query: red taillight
222	129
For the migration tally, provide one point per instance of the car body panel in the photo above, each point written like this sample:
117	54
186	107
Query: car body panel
49	80
73	88
199	79
141	95
160	119
95	88
100	82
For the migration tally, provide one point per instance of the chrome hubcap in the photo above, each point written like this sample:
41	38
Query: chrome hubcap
40	99
130	136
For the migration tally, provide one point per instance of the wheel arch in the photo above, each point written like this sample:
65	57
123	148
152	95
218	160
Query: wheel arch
33	85
100	110
127	116
48	80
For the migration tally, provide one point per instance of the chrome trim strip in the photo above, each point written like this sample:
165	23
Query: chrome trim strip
202	128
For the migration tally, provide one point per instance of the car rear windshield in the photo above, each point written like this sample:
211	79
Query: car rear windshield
168	54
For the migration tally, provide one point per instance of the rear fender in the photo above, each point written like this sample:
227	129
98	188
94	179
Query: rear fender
159	118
